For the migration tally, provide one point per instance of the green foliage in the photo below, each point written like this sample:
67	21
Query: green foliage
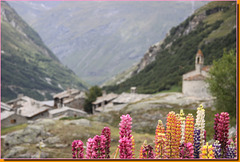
7	130
222	82
92	95
177	56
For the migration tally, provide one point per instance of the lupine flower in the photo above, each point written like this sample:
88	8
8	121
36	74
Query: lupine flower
200	123
221	131
141	149
133	146
125	142
207	152
182	119
231	150
99	145
77	149
189	129
125	148
217	149
147	152
89	148
178	135
196	142
172	131
160	143
186	151
107	133
160	140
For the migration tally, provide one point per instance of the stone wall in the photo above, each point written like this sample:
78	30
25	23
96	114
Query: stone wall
40	115
77	104
197	88
13	120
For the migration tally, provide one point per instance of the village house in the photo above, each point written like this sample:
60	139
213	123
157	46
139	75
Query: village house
11	118
193	83
66	112
29	108
103	101
71	98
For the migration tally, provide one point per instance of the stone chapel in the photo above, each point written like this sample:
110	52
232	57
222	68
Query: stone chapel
193	83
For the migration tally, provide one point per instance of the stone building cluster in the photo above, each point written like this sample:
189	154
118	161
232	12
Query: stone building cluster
68	103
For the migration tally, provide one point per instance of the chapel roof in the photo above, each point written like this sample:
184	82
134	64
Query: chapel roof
199	53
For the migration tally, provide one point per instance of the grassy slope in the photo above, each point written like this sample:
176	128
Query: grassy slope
27	62
215	33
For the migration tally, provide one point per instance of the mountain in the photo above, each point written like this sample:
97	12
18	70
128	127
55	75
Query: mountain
212	28
27	65
99	39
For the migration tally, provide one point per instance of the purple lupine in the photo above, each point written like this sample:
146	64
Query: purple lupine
77	149
231	149
196	142
89	148
107	133
186	151
125	142
147	152
222	132
217	149
216	122
99	144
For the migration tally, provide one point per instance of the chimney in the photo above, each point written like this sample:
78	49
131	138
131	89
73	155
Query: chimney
133	90
20	95
104	93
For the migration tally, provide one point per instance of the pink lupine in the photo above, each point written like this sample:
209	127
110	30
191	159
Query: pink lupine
77	149
89	148
186	151
99	145
125	142
107	133
221	131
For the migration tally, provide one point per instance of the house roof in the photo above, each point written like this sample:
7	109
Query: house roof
6	114
5	106
195	77
81	95
49	103
129	97
206	68
66	93
107	97
32	110
63	109
199	53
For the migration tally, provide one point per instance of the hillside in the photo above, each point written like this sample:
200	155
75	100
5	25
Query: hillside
212	28
97	40
27	65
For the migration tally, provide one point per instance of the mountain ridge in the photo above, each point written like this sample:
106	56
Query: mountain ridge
27	65
211	28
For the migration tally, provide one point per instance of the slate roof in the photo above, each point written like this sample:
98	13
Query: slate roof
5	106
195	77
6	114
66	93
107	97
63	109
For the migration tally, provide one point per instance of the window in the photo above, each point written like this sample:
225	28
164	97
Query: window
198	60
13	121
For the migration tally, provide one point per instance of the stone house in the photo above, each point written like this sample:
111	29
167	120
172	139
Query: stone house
29	108
66	112
103	101
193	83
71	98
11	118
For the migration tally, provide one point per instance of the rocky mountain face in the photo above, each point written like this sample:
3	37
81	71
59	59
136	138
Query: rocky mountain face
98	40
27	65
212	28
